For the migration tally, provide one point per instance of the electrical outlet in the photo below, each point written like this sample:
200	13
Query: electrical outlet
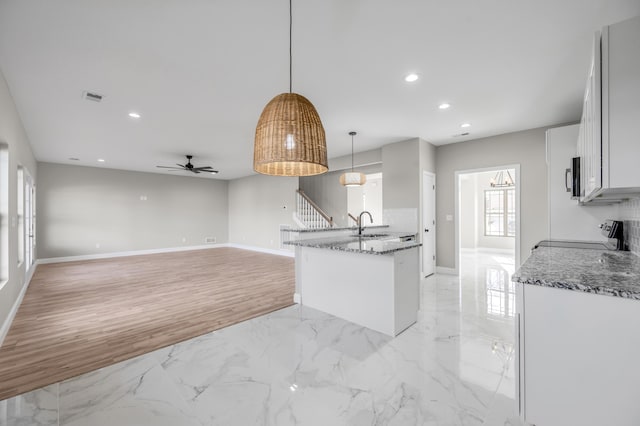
97	245
210	240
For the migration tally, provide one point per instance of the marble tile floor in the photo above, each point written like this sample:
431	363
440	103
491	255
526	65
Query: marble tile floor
299	366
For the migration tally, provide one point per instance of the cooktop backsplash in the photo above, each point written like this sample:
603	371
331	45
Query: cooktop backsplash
630	214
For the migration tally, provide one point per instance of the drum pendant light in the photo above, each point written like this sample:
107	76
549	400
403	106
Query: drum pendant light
352	178
290	139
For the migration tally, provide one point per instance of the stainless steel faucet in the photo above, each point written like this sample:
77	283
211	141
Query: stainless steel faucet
360	227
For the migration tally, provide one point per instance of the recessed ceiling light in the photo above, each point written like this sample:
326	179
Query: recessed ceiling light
100	160
444	106
410	78
465	125
134	115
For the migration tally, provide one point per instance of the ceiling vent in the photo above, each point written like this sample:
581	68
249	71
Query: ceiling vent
92	96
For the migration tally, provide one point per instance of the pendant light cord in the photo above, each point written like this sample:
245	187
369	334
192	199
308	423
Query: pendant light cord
290	54
352	135
351	153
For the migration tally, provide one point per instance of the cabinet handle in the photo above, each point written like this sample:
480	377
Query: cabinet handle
567	178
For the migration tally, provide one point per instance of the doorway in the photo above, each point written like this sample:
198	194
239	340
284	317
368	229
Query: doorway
488	213
29	219
428	224
366	197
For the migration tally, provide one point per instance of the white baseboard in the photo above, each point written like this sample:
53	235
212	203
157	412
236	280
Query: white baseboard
446	271
126	253
160	250
297	298
14	309
286	253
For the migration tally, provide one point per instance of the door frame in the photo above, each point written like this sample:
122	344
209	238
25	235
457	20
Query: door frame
422	224
457	208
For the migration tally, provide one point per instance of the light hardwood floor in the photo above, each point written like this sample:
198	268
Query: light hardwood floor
80	316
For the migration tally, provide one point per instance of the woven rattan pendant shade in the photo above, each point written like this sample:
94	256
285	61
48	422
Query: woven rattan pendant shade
290	139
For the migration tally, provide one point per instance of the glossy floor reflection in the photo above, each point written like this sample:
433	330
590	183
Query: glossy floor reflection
298	366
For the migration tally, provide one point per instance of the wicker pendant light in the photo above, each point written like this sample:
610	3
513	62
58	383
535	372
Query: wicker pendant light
290	139
352	178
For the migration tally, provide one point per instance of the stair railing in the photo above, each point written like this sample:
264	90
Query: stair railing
310	213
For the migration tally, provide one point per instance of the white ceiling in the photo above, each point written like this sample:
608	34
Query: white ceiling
201	71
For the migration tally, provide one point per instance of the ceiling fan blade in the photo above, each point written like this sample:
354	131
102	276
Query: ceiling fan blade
169	167
204	169
181	165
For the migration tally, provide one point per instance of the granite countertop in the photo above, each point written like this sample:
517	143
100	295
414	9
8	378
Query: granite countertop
346	228
378	245
612	273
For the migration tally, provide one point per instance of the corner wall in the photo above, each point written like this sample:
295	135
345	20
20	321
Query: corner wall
257	206
13	134
526	148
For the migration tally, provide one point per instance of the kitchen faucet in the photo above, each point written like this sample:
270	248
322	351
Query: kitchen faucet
360	227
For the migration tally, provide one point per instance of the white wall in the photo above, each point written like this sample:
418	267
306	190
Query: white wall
258	205
367	197
526	148
19	152
89	210
468	211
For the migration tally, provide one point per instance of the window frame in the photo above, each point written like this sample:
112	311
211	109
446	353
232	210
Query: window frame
507	210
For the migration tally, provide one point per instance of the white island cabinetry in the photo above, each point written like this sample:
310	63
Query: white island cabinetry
380	292
372	280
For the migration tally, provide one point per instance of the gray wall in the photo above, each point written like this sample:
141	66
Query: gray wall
401	175
87	210
13	135
258	205
526	148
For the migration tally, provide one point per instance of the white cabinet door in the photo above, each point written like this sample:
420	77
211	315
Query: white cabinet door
608	144
590	136
581	355
621	103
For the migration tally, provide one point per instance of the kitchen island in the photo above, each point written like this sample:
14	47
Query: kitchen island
577	339
371	280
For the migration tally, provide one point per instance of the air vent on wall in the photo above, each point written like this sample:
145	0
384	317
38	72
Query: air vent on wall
92	96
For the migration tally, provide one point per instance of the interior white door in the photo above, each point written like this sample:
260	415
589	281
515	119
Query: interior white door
428	223
28	213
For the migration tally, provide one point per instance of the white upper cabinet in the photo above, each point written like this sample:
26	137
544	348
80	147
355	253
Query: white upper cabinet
609	138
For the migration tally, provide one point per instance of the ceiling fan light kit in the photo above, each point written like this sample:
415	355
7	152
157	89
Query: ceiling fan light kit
290	138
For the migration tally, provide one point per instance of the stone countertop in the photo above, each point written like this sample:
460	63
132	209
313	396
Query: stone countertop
346	228
612	273
377	245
